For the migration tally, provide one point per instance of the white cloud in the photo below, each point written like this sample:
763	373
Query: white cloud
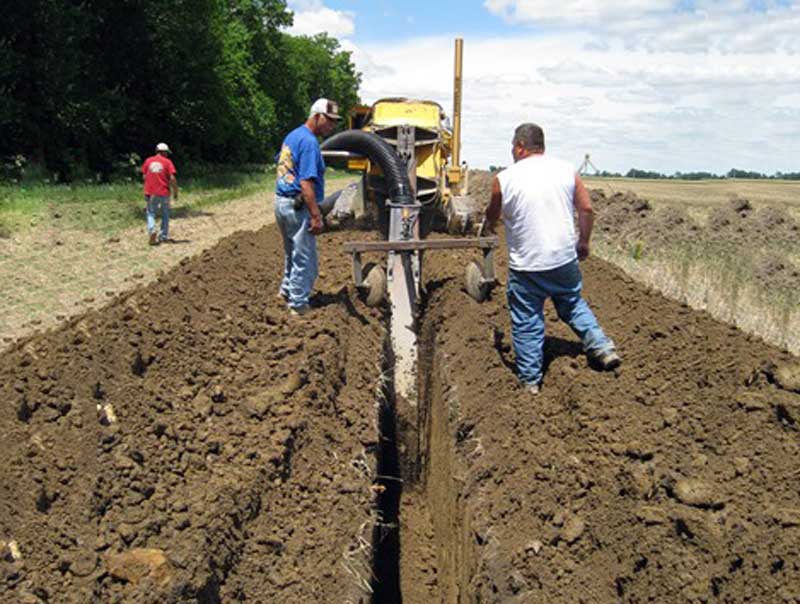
666	25
313	17
572	11
629	106
365	63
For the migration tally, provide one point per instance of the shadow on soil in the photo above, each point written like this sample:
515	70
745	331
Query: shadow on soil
386	532
189	212
554	348
340	298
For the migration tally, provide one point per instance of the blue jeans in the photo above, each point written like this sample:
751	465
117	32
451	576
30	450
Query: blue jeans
300	251
155	205
526	293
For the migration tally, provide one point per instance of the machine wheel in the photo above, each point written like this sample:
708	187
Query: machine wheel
374	287
455	224
476	287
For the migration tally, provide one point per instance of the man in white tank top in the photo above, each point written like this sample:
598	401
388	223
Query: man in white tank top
537	197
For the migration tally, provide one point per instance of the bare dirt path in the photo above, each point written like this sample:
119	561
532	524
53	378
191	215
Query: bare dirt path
51	273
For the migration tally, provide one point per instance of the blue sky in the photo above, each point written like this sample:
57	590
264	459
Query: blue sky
382	20
668	85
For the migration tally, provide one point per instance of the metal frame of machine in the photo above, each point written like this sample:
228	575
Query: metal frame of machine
412	132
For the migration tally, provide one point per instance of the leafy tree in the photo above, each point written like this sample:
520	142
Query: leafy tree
636	173
84	81
734	173
320	69
695	175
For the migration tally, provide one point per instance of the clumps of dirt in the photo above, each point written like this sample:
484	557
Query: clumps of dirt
739	204
776	271
777	222
754	240
628	217
194	443
666	480
624	215
622	212
737	221
480	186
730	217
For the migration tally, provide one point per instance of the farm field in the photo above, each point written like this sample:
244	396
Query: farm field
190	442
704	194
731	248
180	423
66	254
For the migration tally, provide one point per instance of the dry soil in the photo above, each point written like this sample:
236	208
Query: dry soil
193	443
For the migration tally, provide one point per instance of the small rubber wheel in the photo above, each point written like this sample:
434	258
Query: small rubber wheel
475	285
374	288
455	224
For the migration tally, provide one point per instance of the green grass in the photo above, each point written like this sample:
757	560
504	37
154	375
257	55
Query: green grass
109	208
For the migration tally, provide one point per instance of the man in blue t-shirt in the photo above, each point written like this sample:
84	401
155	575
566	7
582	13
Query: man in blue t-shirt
299	189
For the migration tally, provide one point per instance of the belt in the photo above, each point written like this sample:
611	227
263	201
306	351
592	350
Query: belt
297	201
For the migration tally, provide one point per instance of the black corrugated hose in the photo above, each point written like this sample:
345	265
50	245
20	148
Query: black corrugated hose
380	152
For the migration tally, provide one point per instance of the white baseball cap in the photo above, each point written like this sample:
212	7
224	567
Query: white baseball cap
325	107
163	147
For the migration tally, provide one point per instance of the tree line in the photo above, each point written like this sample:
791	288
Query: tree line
652	175
87	85
732	173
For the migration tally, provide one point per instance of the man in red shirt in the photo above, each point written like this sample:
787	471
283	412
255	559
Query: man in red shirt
159	178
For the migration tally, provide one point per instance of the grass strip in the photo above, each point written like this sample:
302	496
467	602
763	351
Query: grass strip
112	207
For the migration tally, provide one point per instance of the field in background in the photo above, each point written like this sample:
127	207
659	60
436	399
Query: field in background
704	194
730	247
109	208
68	249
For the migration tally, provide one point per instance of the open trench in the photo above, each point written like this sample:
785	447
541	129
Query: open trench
243	456
423	543
672	479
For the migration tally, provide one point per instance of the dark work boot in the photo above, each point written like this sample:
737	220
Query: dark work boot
607	360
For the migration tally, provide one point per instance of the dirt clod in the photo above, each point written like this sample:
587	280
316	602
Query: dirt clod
139	563
698	493
573	529
787	376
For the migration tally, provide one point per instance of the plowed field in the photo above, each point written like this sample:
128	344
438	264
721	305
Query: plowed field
193	443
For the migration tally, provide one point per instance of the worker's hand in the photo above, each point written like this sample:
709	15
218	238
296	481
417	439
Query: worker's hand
316	223
583	250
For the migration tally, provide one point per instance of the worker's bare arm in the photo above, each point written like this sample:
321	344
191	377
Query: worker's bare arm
173	185
495	204
583	205
310	198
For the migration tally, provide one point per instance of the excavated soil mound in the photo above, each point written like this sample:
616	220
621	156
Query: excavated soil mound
193	443
625	216
737	221
480	186
754	238
673	479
